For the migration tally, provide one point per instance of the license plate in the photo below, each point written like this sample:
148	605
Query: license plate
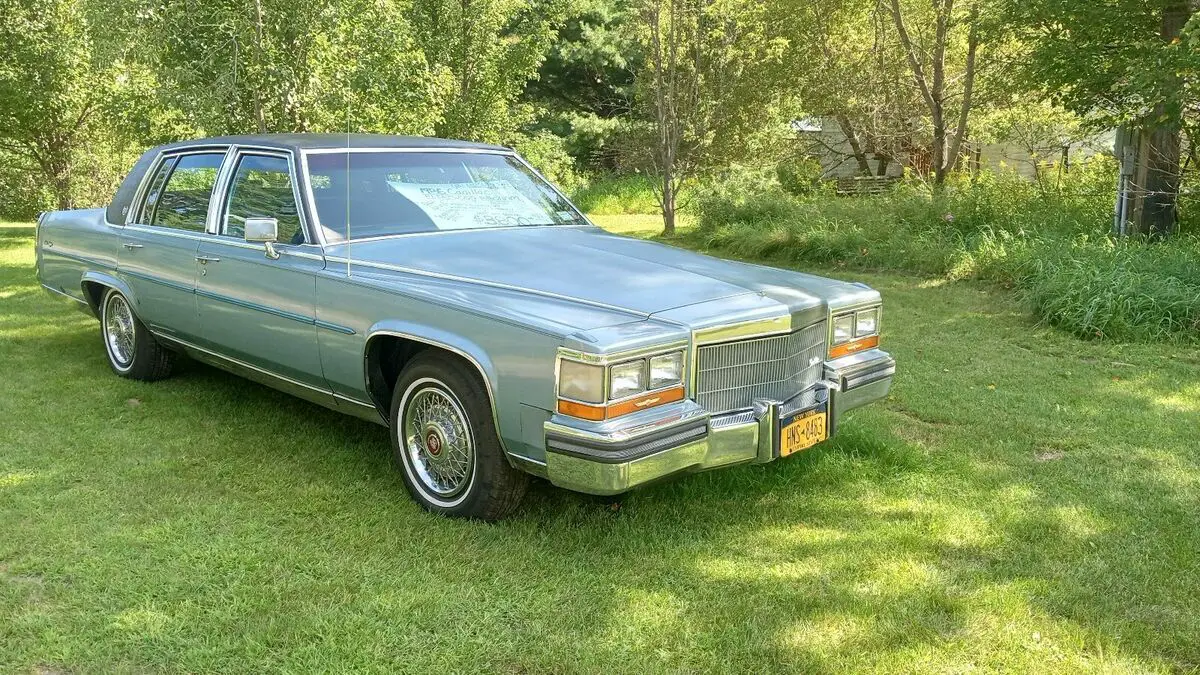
801	431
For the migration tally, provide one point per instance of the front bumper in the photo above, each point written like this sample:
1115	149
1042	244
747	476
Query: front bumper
608	459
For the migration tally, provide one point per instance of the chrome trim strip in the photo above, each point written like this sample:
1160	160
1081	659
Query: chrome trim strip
255	306
597	359
78	258
337	328
487	384
64	294
293	250
135	206
449	150
162	282
433	233
169	232
239	362
489	284
744	330
347	399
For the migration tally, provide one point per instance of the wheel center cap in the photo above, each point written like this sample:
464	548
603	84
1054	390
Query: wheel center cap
433	443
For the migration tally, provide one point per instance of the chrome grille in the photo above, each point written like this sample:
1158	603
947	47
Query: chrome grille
731	375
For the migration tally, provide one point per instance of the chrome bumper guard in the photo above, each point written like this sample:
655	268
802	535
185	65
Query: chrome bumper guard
607	459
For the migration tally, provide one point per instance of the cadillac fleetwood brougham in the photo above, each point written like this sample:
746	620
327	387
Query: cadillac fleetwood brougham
447	291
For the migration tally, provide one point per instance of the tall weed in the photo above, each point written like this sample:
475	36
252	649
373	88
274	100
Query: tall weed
1047	239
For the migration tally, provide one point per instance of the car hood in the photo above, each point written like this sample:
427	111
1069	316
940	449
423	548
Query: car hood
588	265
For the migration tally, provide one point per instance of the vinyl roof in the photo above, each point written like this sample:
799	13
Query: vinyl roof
333	141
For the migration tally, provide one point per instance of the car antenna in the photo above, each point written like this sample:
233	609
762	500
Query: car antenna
346	180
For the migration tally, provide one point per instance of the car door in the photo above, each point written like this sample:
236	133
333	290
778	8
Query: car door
157	257
255	308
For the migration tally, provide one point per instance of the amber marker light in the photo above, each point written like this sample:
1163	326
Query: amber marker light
584	411
597	413
854	346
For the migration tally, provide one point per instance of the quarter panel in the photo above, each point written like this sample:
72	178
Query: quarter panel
72	243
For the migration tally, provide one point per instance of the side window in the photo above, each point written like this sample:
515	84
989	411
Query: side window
146	214
183	203
262	188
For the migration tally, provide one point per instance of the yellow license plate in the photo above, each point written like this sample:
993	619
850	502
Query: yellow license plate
804	430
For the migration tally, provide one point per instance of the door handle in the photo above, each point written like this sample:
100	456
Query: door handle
204	259
132	246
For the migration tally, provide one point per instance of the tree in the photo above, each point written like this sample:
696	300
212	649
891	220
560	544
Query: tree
50	87
276	65
949	111
584	88
485	51
848	69
708	91
1129	63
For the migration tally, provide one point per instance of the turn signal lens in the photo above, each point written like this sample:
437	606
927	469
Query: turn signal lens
583	411
854	346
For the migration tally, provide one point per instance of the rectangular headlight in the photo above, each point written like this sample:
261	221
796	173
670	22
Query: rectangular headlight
867	322
666	370
626	379
843	328
581	381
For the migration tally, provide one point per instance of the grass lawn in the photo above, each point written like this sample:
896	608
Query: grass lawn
1022	501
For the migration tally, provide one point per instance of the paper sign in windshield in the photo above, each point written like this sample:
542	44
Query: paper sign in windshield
457	206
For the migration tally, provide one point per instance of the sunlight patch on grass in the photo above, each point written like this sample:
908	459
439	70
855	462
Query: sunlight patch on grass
143	621
17	478
1185	400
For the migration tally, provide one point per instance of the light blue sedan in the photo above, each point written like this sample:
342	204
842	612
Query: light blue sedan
446	290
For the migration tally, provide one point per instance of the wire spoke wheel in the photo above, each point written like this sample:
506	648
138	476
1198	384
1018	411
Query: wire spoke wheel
119	331
438	442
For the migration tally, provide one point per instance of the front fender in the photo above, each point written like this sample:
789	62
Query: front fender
438	338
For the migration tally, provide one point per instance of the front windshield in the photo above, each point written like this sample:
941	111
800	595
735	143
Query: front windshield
375	194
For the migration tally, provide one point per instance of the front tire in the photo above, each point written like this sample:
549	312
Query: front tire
445	441
132	350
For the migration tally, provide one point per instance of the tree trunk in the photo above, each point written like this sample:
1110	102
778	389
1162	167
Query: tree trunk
668	205
884	163
1155	184
859	156
259	118
57	165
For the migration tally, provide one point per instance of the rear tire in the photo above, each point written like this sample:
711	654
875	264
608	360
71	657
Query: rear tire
446	443
132	350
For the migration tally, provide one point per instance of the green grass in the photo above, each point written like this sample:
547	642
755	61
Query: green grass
616	195
1023	501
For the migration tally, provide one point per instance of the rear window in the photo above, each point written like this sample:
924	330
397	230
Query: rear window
180	192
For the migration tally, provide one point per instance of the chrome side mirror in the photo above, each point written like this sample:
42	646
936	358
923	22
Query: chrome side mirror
264	231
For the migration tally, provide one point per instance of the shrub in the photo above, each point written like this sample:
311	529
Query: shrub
547	153
617	195
1124	291
1045	239
799	177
